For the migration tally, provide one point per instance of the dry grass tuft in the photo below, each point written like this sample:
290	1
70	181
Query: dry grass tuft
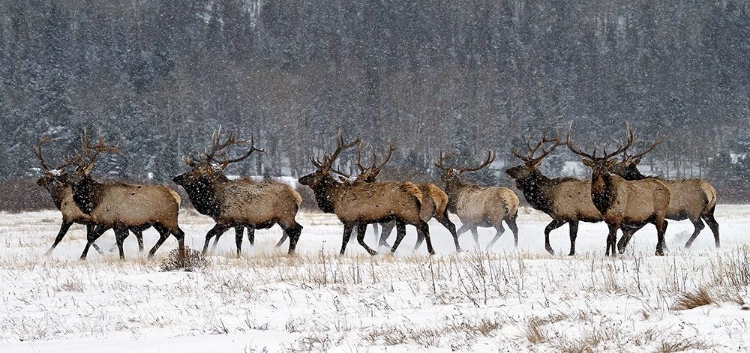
693	300
679	344
191	260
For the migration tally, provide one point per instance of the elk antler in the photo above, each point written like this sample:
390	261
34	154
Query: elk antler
245	155
440	163
85	159
487	161
530	159
620	149
657	141
38	151
327	163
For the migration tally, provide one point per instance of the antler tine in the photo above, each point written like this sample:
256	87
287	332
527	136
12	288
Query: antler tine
359	159
38	151
622	148
387	157
490	158
516	153
575	149
246	154
439	163
341	146
657	142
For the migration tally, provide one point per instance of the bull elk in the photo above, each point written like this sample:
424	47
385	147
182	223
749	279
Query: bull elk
692	199
479	206
566	200
55	181
434	200
238	204
624	203
122	206
360	204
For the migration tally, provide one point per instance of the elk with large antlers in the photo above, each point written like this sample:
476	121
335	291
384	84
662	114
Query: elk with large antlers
566	200
479	206
55	180
359	204
625	203
692	199
238	204
122	206
434	200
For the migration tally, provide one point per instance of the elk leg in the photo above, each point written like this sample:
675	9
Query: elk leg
698	224
351	238
120	234
556	223
163	235
475	234
217	230
238	234
463	229
446	222
711	221
400	234
573	227
139	237
661	228
499	230
345	239
281	241
216	241
91	238
294	232
386	229
611	237
251	235
361	229
423	228
513	228
61	234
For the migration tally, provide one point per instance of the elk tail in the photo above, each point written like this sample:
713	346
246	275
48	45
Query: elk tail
177	198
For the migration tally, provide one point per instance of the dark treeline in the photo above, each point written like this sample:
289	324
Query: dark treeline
158	76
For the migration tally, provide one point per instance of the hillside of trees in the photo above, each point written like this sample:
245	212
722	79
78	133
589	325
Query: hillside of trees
159	76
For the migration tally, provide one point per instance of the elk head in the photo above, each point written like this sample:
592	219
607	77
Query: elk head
209	166
84	187
452	176
370	174
530	163
54	179
628	166
321	176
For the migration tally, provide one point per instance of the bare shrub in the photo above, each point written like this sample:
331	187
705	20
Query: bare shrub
191	260
693	300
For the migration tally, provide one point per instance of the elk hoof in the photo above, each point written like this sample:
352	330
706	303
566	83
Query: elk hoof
659	253
572	253
550	251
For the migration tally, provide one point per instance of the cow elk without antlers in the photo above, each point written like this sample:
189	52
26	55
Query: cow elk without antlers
55	181
625	203
238	203
359	204
692	199
479	206
122	206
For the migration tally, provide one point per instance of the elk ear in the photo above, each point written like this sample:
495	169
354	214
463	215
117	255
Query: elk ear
637	161
588	163
611	162
537	164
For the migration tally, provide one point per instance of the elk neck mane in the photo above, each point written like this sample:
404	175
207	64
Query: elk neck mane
536	189
603	191
87	194
324	192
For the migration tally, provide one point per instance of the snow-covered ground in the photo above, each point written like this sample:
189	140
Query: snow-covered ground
504	300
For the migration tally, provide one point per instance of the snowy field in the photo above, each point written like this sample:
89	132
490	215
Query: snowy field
505	300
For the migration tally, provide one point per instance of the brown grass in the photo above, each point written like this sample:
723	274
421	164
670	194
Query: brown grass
688	300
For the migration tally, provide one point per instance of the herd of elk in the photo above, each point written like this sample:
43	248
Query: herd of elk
617	194
434	200
121	206
621	202
360	204
692	199
479	206
240	203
